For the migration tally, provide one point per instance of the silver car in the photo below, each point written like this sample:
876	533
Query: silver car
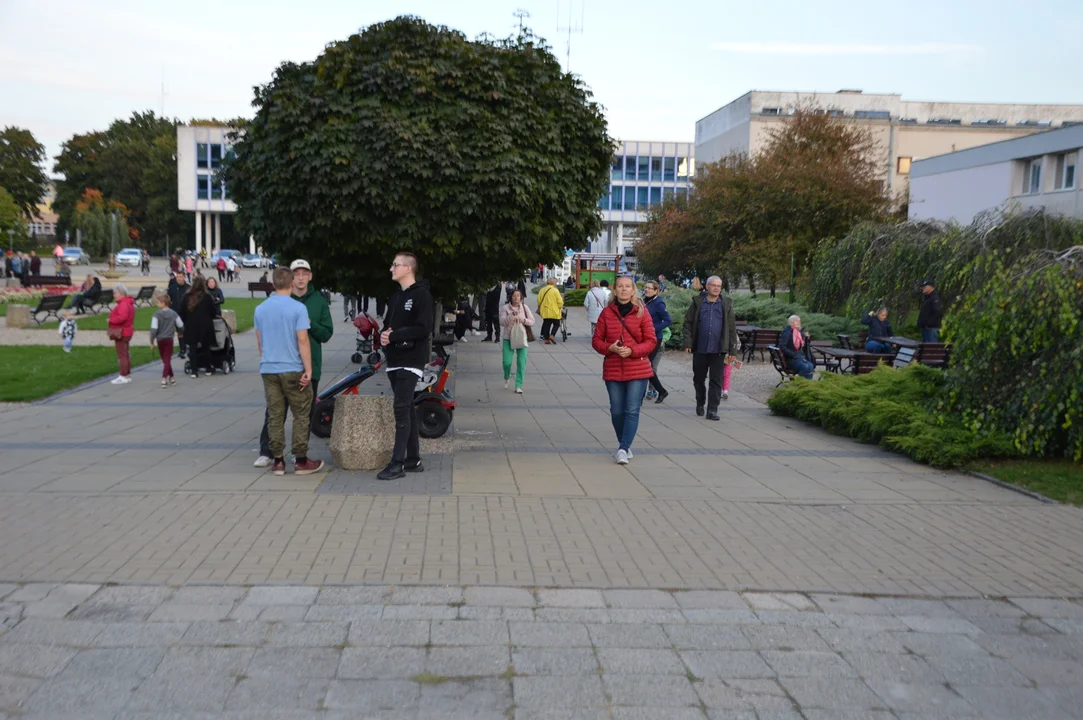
76	256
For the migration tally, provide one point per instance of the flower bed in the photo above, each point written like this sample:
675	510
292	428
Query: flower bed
30	296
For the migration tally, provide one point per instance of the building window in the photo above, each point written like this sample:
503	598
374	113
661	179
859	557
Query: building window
656	196
642	198
616	198
1065	177
669	169
1032	177
667	194
201	155
603	201
617	171
216	189
630	198
681	193
656	168
902	166
644	168
216	156
203	187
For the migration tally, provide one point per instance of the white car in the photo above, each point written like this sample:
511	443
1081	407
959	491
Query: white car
255	261
130	256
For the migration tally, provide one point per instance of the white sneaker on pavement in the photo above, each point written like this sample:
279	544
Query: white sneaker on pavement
518	391
507	384
622	457
262	461
118	380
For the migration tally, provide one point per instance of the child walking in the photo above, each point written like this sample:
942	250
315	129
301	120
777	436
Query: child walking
67	331
163	327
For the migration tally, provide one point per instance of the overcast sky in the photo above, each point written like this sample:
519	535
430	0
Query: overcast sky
657	66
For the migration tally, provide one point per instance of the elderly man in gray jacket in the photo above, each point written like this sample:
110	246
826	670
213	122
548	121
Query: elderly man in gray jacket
710	334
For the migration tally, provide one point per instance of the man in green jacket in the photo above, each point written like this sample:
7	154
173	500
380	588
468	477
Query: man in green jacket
320	331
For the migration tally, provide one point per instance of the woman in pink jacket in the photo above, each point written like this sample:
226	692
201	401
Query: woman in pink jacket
121	329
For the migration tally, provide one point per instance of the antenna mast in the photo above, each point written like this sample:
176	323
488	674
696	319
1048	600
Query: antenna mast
521	13
570	28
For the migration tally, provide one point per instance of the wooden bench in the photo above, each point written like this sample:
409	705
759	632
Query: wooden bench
263	287
51	305
864	363
831	364
778	360
849	343
44	280
759	341
102	303
145	295
904	357
934	354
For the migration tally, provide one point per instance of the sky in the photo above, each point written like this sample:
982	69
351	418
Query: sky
655	66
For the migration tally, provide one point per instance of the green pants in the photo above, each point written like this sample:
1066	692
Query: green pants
284	391
520	363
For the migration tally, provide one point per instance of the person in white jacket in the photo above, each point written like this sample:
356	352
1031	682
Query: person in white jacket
596	300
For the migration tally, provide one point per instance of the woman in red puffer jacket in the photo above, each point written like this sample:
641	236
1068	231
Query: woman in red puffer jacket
625	336
121	329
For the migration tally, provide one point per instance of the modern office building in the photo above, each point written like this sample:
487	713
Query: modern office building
1037	171
905	130
643	174
200	149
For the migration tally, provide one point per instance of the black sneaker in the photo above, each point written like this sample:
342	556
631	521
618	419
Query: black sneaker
413	466
699	410
393	471
712	416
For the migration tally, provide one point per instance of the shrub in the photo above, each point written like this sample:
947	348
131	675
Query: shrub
901	410
575	298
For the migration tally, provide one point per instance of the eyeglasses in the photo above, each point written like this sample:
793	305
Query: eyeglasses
395	265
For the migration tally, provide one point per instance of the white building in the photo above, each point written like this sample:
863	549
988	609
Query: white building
1029	172
904	130
643	174
200	149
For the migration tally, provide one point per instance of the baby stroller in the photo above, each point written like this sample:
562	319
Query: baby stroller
222	354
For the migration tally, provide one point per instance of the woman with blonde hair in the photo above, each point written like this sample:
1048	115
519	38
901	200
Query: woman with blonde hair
624	335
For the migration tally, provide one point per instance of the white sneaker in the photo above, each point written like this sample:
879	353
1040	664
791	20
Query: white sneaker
262	461
630	455
507	384
518	391
464	339
118	380
725	394
622	457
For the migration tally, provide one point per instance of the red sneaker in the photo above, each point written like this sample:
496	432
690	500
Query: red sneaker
279	467
307	467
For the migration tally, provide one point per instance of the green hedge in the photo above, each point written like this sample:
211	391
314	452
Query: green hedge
902	410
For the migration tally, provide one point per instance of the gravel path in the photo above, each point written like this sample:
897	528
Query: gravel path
756	379
24	336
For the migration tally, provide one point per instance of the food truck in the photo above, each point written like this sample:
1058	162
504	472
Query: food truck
587	267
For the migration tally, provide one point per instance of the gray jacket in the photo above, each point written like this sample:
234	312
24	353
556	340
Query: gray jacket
731	344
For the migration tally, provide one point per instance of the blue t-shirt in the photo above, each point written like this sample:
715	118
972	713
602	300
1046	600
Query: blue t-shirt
278	319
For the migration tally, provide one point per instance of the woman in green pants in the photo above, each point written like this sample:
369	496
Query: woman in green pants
515	314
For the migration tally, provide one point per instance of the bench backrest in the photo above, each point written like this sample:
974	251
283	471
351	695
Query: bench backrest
253	286
146	292
864	364
904	357
778	359
844	341
861	338
51	303
106	298
762	339
934	354
42	280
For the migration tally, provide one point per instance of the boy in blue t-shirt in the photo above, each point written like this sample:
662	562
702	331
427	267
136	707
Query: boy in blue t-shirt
286	367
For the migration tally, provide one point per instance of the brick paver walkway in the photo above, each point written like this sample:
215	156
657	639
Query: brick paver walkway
140	484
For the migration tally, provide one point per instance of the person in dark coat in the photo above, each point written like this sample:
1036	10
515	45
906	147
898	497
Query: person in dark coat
89	294
216	294
879	327
931	314
794	345
656	306
198	312
35	263
492	313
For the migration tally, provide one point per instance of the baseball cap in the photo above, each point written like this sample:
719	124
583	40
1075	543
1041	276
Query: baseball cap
927	282
300	264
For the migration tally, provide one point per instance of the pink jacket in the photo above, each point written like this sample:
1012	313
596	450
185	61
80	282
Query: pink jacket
508	312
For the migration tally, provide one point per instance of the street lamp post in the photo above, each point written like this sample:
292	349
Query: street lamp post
113	242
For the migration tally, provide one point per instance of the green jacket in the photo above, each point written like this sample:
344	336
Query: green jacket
322	327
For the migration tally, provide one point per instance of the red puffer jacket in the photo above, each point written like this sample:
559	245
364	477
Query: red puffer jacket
637	332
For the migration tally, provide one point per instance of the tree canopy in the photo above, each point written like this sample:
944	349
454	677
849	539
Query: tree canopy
21	172
816	176
134	163
482	157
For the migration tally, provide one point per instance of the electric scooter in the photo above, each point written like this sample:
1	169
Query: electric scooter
433	402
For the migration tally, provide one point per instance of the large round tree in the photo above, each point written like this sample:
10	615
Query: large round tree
482	157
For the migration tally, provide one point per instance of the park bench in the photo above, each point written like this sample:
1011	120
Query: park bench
819	359
263	287
759	340
904	357
778	360
933	354
44	280
864	363
145	295
847	342
51	305
102	303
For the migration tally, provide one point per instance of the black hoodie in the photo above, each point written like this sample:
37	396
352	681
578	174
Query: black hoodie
410	317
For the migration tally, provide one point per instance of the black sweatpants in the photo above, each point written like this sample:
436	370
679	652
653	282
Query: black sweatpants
702	366
407	440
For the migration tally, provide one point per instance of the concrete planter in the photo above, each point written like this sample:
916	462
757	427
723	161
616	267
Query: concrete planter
231	321
363	433
18	316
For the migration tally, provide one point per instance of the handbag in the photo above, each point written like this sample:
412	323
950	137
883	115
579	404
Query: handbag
529	333
517	337
115	333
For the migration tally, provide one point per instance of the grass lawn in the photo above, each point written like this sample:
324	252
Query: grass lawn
244	307
29	372
1057	479
3	309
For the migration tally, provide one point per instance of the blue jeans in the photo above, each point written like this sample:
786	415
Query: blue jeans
930	335
802	367
625	399
875	346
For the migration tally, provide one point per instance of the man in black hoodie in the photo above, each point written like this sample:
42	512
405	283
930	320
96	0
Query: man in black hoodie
931	313
405	340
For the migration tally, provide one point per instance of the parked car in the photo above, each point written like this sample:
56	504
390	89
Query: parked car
251	260
237	256
130	256
76	256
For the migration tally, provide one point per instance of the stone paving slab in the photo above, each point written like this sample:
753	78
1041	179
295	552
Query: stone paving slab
761	667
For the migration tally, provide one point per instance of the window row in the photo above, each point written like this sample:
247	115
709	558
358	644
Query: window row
42	228
619	197
209	187
1064	173
209	156
643	167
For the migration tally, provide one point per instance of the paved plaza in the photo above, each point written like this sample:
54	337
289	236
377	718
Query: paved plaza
752	567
